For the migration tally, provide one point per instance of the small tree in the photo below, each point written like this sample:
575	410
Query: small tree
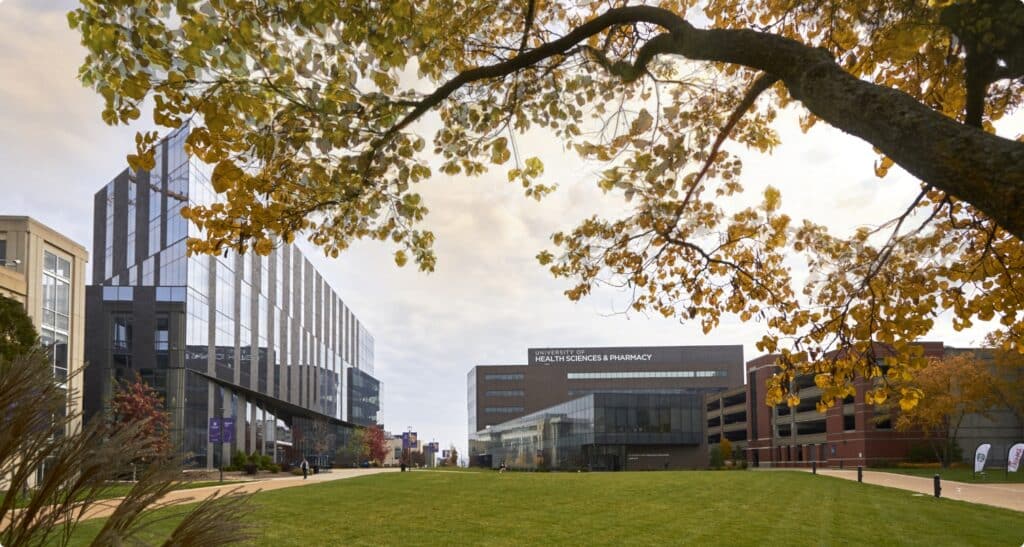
453	456
413	458
136	403
725	447
17	333
715	458
353	449
321	436
376	446
951	387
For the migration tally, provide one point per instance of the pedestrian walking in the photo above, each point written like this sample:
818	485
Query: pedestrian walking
305	468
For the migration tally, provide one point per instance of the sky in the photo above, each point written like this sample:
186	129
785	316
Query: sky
488	300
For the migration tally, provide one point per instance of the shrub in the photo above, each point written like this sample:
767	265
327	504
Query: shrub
919	465
239	459
725	448
274	468
715	458
921	453
265	462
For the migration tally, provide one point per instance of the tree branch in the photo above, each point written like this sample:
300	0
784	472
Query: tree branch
762	83
983	169
531	6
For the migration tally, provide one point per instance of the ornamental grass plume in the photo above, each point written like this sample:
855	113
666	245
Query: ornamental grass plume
53	472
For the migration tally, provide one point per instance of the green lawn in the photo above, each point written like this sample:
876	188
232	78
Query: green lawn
120	490
961	474
656	508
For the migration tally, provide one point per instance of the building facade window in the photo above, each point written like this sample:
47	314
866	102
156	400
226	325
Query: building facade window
505	393
121	334
503	377
118	294
173	265
108	254
130	245
646	374
147	272
503	409
56	323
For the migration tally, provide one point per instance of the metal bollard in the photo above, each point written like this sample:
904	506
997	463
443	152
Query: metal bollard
860	473
938	485
814	468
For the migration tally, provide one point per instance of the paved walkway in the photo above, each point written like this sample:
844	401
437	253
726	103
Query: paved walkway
105	507
1007	495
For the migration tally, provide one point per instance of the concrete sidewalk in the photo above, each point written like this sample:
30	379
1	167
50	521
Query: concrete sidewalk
105	507
1007	495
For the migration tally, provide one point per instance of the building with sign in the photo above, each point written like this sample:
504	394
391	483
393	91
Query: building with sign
599	408
260	345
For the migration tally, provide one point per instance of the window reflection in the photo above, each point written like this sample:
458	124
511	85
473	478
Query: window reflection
593	431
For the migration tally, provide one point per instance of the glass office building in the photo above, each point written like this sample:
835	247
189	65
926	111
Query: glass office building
364	397
518	413
265	340
551	376
601	432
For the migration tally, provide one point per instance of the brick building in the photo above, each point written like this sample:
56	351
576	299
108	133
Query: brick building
849	434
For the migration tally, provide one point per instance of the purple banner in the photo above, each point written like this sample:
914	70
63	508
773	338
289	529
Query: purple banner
229	430
214	430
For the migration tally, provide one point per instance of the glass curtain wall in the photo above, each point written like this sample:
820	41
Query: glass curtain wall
592	432
56	311
272	325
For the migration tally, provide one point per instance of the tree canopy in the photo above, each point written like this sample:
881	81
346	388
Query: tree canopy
954	387
376	446
311	113
136	404
17	333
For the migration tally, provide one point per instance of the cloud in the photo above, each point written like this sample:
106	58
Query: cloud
55	153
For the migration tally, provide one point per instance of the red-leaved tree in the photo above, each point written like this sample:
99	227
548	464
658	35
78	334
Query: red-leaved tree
375	443
137	403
